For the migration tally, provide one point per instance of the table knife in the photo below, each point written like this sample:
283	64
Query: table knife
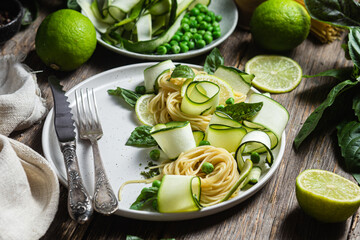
79	203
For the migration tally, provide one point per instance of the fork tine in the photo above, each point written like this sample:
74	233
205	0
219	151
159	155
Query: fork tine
95	112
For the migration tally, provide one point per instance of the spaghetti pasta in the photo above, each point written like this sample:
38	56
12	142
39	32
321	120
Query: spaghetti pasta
217	184
165	106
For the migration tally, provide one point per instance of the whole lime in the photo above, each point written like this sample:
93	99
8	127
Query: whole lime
65	40
280	25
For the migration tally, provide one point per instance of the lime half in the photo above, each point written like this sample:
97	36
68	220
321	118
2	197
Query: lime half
274	74
142	110
327	196
226	90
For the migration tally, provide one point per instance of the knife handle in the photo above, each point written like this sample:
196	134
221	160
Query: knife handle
79	202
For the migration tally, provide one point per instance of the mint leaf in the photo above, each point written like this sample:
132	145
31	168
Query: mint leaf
182	71
141	137
242	111
213	61
129	96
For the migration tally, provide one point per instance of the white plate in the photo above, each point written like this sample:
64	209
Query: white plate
122	162
226	8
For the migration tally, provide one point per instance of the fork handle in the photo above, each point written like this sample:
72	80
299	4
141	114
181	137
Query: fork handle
79	202
104	199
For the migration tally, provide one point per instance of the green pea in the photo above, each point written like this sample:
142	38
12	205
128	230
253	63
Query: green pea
175	49
216	34
168	46
185	27
194	12
193	23
207	167
185	20
155	154
255	157
188	34
215	24
191	45
140	90
208	38
204	142
197	37
192	18
218	18
210	28
200	18
176	38
185	38
200	44
230	101
203	25
156	183
199	5
184	43
202	32
216	29
210	13
184	48
208	19
220	107
174	43
180	33
203	8
192	30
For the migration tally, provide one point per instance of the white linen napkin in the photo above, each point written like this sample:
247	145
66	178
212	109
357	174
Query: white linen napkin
21	104
29	192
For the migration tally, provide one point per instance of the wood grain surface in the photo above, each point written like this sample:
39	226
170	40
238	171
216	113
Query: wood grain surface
273	212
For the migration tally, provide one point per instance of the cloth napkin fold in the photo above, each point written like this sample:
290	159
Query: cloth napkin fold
21	104
29	192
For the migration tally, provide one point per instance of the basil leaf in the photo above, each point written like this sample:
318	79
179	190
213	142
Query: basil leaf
337	12
242	111
213	61
129	96
357	177
356	106
343	73
314	118
141	137
354	44
146	197
182	71
349	142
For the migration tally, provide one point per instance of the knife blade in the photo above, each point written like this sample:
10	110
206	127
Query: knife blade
79	203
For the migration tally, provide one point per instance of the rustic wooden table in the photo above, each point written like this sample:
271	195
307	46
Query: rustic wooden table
273	212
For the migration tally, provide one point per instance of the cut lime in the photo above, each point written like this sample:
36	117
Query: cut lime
142	110
327	196
226	90
274	74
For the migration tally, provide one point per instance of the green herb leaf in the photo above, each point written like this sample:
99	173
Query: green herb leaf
354	44
213	61
242	111
129	96
72	4
343	73
30	12
337	12
357	177
314	118
146	197
356	106
131	237
141	137
349	142
183	71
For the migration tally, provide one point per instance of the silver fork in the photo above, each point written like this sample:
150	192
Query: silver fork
90	128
